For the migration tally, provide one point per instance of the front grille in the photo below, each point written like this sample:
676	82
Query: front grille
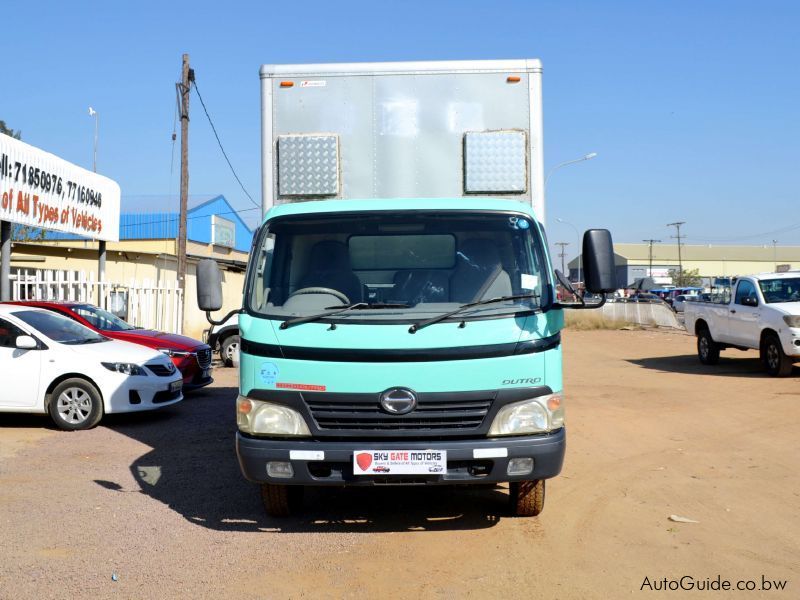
361	413
165	396
160	370
204	357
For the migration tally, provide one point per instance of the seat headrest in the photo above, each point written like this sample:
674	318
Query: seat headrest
481	252
329	255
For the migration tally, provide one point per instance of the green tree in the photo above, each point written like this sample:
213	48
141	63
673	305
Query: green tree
21	233
17	135
689	278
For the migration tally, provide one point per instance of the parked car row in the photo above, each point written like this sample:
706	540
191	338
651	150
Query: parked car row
78	362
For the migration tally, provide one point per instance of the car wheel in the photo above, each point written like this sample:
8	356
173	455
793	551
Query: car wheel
526	497
707	348
775	361
281	500
75	404
228	348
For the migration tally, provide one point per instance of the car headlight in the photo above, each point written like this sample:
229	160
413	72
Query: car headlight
265	418
174	353
537	415
792	320
124	368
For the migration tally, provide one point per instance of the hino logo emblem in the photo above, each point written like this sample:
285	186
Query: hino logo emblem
398	401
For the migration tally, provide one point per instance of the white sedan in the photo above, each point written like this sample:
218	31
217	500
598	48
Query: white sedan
51	364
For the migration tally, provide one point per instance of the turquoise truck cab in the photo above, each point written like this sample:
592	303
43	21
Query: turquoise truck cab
400	323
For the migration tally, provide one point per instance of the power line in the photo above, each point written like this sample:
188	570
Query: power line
170	220
214	129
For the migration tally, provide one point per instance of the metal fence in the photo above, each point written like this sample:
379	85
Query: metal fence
147	304
643	313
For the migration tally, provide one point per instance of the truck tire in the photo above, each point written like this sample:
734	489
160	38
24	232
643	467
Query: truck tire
228	347
526	497
75	404
775	361
281	500
707	348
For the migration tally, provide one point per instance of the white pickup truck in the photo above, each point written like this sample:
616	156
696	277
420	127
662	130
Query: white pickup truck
762	313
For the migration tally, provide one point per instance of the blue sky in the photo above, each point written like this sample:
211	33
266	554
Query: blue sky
693	107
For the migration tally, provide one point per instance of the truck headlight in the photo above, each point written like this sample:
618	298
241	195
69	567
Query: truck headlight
536	415
792	320
265	418
124	368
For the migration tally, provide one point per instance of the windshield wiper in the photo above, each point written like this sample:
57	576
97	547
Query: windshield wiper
358	305
417	326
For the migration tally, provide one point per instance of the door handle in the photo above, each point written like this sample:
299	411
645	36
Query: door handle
733	311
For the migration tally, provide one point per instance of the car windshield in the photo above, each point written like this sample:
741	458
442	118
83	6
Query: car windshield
780	290
401	266
102	319
59	329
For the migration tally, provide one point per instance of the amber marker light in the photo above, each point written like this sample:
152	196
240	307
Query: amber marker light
287	83
245	406
554	402
513	79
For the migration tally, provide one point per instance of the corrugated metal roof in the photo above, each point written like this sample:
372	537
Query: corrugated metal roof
709	252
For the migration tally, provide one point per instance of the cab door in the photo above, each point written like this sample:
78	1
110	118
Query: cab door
745	314
20	370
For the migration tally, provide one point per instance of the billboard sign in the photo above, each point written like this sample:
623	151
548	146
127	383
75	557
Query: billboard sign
39	189
223	232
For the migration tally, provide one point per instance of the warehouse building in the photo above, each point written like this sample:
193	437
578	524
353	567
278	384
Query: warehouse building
713	262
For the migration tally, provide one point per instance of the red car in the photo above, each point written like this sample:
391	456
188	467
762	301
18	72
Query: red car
191	357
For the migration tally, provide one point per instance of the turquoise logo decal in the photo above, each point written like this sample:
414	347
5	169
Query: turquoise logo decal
269	373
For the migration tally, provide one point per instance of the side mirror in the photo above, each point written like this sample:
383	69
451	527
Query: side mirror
26	342
750	301
209	285
598	261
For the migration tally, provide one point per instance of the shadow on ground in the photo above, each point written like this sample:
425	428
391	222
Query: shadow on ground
192	468
728	366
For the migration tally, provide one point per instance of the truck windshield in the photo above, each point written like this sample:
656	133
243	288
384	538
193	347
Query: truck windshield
404	266
780	290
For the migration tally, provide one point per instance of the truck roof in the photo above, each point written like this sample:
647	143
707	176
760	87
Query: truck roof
402	68
786	275
397	204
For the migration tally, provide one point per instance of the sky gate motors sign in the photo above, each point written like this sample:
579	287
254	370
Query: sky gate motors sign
39	189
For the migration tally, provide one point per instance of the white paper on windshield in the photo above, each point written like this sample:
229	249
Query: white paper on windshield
529	282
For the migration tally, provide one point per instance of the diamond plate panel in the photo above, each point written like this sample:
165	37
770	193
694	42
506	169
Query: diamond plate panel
308	165
495	162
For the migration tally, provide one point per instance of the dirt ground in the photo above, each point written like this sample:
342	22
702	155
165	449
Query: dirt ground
154	506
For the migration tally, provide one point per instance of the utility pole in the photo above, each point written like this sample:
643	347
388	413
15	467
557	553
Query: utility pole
650	243
677	226
184	87
563	253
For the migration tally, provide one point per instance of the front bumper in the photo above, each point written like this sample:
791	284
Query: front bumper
134	394
336	467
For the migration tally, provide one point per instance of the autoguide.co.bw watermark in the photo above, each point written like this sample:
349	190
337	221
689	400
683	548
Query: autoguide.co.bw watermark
717	584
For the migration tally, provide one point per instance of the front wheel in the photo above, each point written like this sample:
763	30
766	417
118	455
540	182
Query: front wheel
526	497
707	348
228	348
281	500
775	361
75	404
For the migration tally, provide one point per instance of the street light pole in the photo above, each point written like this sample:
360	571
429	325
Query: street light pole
101	249
589	156
580	250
